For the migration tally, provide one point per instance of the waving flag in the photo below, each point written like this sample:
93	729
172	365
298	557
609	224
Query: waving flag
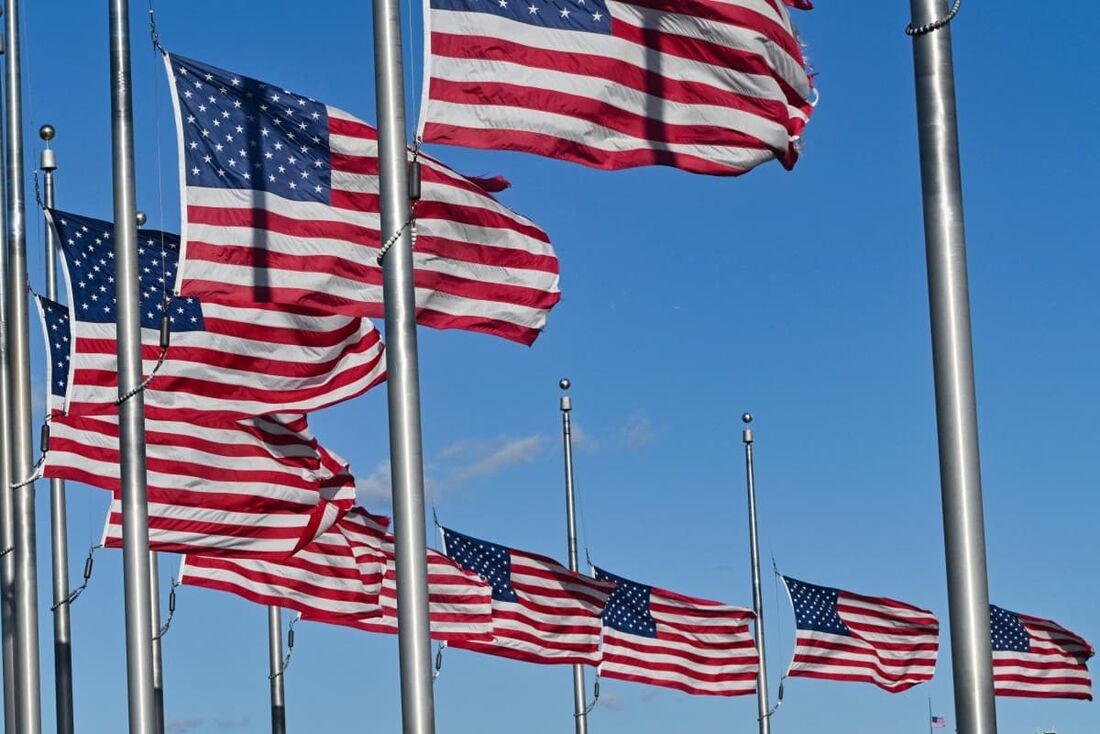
54	319
851	637
329	580
542	611
1036	658
708	86
938	722
281	206
666	639
224	362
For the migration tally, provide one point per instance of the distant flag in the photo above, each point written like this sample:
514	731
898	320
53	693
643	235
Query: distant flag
281	205
666	639
708	86
328	580
851	637
224	362
1037	658
542	611
939	722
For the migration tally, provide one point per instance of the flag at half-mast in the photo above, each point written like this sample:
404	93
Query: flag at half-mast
281	205
708	86
1037	658
845	636
662	638
542	611
260	486
223	363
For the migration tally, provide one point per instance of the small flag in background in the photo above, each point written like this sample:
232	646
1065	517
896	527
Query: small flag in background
708	86
1036	658
939	722
542	611
666	639
224	363
281	206
851	637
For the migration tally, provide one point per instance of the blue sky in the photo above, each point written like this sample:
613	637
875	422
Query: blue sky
799	296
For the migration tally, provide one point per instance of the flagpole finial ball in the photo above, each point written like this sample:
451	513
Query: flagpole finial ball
746	417
141	219
564	383
46	132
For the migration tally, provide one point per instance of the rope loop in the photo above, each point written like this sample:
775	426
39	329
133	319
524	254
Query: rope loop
410	223
153	34
171	611
920	30
75	593
289	648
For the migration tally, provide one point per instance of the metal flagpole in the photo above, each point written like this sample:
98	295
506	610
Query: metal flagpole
7	519
135	518
27	685
580	716
403	381
275	662
62	631
154	622
929	715
952	358
762	705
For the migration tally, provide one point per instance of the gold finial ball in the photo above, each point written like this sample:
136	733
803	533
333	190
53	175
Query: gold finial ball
141	219
46	132
746	418
564	383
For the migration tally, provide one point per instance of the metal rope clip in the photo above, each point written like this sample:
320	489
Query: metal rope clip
171	611
912	30
89	562
289	648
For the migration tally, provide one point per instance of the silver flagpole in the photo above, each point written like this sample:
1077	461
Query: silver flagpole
403	381
28	683
62	631
579	706
952	358
135	517
762	705
154	622
7	520
275	663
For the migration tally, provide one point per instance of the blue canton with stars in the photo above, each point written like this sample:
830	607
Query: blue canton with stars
568	15
90	254
1007	631
58	344
240	133
490	561
815	608
627	608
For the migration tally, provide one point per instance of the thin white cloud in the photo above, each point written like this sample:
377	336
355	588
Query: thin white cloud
182	726
490	457
638	432
376	487
582	439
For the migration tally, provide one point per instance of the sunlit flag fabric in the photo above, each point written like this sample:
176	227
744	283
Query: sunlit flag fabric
460	603
280	197
260	487
851	637
224	362
542	611
662	638
708	86
1036	658
328	580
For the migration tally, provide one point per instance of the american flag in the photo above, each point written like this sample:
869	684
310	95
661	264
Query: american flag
224	362
939	722
1036	658
666	639
460	603
281	205
708	86
329	580
54	319
259	487
542	611
851	637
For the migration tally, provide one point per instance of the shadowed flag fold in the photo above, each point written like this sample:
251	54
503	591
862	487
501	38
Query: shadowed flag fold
1037	658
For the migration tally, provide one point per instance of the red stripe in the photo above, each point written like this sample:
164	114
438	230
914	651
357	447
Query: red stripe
690	670
638	644
1019	693
856	678
677	685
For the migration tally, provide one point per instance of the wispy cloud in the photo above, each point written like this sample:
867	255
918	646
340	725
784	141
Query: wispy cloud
182	726
482	459
239	722
582	439
638	432
611	702
375	488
